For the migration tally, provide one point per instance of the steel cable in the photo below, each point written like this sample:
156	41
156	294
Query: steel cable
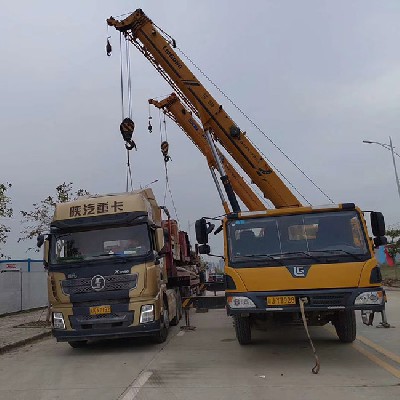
261	131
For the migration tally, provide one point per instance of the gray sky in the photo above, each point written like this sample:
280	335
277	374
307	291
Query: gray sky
317	76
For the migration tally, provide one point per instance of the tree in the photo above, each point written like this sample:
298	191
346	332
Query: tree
393	233
38	220
393	248
5	213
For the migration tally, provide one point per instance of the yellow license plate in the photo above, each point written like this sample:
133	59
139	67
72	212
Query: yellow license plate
100	310
281	300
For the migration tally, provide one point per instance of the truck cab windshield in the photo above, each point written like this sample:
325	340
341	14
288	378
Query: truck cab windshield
127	241
319	237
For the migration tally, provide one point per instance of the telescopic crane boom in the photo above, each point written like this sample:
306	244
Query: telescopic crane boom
184	118
143	33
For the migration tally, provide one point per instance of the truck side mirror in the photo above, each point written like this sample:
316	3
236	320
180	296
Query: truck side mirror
204	249
40	241
159	239
46	250
201	231
378	224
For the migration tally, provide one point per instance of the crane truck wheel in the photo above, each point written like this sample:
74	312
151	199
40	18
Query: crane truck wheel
345	325
162	334
242	329
78	344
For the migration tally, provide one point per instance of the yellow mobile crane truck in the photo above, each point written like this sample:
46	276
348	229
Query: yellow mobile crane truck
115	268
278	261
173	108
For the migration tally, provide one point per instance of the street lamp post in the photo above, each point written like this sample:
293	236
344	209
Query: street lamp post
389	147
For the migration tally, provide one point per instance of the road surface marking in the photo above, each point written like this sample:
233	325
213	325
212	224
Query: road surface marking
389	368
180	333
372	357
135	387
379	349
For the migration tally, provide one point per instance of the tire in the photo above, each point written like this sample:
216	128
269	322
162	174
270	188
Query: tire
345	325
78	344
162	334
242	329
178	316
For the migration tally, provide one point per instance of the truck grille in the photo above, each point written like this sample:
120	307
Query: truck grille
334	299
111	283
103	321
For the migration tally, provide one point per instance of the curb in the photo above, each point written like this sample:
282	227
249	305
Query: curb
392	288
22	312
24	342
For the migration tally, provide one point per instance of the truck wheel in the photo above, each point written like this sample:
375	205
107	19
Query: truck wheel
178	316
162	334
345	325
242	329
78	344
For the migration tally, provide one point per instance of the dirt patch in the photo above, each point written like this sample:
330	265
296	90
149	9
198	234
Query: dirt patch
391	283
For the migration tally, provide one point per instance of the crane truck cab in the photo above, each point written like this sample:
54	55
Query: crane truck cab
322	255
111	269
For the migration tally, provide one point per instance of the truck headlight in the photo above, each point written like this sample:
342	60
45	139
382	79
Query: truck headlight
369	298
58	320
240	302
147	313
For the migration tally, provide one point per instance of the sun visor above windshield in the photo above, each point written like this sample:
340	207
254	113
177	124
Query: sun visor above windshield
132	218
112	204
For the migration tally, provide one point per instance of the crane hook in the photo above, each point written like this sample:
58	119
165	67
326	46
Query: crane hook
108	47
127	127
164	151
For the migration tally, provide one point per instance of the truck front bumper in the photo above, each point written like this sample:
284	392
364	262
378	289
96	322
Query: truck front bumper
317	300
148	329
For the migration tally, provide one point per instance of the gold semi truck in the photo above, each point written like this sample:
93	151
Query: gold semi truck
115	268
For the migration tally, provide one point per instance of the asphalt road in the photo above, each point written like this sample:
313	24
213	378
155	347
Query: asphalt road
208	363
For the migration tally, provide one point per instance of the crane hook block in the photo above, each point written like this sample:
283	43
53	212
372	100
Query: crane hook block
127	127
164	151
108	47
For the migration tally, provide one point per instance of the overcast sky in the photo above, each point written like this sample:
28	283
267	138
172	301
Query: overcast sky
317	76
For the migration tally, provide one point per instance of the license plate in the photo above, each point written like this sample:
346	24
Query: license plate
281	300
100	310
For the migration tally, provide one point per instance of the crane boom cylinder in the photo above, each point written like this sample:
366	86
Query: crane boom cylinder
224	178
219	190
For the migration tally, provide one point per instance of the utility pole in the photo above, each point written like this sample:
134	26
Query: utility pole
394	165
391	149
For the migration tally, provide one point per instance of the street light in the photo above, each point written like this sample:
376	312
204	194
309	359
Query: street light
389	147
